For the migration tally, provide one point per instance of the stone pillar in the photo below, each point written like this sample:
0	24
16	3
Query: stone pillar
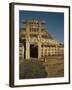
27	41
22	52
39	50
39	41
27	50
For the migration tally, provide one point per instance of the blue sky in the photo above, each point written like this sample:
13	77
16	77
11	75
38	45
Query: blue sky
54	21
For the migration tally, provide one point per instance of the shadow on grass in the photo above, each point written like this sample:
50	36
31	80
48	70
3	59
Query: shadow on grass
32	69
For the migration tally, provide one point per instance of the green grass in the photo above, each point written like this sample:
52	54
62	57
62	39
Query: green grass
53	67
32	69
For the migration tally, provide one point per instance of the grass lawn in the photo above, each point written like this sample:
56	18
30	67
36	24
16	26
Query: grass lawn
32	69
53	67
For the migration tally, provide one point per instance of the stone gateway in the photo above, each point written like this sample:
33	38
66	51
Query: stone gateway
36	42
